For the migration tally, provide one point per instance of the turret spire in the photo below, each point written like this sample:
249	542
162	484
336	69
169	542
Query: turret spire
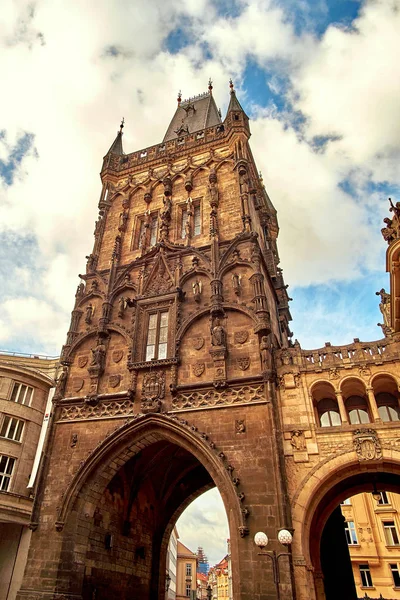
116	146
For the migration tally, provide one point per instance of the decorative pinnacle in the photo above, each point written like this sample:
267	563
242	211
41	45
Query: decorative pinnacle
122	125
210	86
231	86
179	99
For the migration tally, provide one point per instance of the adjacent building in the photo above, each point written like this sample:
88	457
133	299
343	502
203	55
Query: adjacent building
186	573
172	563
372	530
26	386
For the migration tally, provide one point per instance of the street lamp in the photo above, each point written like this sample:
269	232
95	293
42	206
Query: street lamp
167	581
209	592
261	540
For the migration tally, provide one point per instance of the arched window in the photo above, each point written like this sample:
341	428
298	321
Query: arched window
357	409
388	407
328	413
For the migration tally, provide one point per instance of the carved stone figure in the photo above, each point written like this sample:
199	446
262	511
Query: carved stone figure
123	218
240	426
80	290
388	232
91	263
298	440
367	444
218	335
265	352
122	304
61	381
384	306
197	290
236	283
89	313
98	355
187	228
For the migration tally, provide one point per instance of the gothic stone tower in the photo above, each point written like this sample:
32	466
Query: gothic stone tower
168	385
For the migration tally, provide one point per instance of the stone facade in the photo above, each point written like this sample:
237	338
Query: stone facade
25	383
179	374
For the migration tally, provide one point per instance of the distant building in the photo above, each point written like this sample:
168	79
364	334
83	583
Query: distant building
202	561
373	536
186	581
26	388
202	582
172	558
219	579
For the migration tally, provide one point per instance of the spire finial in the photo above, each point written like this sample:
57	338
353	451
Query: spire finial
179	99
122	125
210	85
231	86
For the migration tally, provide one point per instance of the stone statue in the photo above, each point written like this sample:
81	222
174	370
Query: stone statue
166	212
123	217
90	265
187	228
98	355
236	283
197	290
266	358
297	440
61	381
89	313
384	306
218	335
388	232
80	290
122	303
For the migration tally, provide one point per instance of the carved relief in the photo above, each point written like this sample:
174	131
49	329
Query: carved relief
114	380
228	396
243	362
153	390
82	361
198	369
240	337
77	384
117	355
240	426
197	290
334	373
198	342
218	333
100	411
367	444
297	440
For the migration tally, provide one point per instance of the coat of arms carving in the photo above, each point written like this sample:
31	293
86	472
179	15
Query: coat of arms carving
153	385
114	380
199	368
240	337
198	342
367	444
117	355
243	362
77	384
82	361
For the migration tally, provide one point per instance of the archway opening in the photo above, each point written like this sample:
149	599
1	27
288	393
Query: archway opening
134	517
355	536
199	563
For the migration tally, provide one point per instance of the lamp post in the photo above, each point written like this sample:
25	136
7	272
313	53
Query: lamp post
209	592
261	540
167	582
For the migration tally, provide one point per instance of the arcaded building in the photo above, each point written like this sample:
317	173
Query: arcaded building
25	386
180	374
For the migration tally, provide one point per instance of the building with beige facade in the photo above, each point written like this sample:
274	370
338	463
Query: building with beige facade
26	384
372	524
186	573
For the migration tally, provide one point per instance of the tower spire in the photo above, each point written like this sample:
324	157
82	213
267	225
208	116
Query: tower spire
116	146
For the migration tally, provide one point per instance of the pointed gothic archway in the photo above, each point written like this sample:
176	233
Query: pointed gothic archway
125	500
320	536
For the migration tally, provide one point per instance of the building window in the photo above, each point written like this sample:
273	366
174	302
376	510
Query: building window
188	569
6	469
153	227
157	336
153	230
365	574
388	407
196	221
12	429
391	537
188	590
384	498
350	531
185	217
346	502
394	567
328	413
22	393
358	410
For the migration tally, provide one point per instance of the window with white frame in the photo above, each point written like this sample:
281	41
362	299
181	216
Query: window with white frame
6	469
12	428
350	531
384	498
394	568
188	590
188	569
22	393
365	574
157	336
391	535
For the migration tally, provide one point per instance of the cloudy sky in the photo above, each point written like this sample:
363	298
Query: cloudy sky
320	80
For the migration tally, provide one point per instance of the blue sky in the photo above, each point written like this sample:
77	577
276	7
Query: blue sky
320	81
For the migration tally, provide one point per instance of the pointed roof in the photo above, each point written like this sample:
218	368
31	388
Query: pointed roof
234	103
116	146
193	115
